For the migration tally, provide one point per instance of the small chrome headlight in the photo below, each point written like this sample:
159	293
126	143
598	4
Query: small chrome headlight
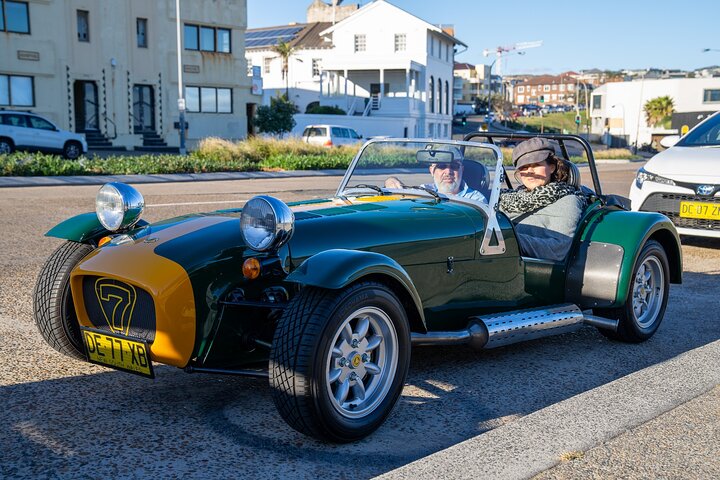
118	206
266	223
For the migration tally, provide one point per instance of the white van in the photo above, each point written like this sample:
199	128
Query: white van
330	135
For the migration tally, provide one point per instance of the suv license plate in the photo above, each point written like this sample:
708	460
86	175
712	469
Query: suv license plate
117	352
703	210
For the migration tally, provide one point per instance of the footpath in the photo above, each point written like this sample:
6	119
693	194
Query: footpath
660	422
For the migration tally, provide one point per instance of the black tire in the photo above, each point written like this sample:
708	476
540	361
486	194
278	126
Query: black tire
52	300
634	327
304	360
6	146
72	150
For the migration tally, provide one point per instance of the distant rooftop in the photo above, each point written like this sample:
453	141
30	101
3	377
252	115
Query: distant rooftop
302	35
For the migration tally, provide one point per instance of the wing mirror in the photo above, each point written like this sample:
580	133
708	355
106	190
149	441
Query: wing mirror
669	140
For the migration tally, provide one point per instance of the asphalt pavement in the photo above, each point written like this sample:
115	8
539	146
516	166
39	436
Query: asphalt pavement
575	406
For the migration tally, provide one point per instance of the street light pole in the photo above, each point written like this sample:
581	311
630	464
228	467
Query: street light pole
181	97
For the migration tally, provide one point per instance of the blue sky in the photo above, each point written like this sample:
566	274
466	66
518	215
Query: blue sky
609	34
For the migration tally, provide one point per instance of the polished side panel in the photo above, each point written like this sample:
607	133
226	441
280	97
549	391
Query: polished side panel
629	231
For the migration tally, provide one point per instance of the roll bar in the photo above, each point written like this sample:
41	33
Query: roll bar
560	138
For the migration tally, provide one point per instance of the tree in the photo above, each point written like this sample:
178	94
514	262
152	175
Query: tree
658	110
277	118
285	51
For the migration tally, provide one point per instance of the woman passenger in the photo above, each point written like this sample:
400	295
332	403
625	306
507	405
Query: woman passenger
544	208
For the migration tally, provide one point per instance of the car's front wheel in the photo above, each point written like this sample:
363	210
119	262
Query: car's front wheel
53	307
647	297
6	146
72	150
339	360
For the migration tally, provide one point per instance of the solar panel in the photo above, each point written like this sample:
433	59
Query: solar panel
259	38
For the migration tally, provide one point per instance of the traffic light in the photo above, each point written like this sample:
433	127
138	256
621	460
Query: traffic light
542	98
577	119
464	120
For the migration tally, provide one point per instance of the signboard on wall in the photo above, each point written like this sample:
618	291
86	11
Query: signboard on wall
257	86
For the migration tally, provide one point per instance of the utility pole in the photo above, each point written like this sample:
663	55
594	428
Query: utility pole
181	97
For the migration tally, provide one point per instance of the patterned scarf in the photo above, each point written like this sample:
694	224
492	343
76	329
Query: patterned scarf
521	200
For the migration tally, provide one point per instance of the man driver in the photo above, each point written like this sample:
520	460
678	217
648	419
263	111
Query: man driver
447	178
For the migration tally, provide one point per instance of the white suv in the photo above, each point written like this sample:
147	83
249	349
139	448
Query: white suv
27	131
683	182
330	135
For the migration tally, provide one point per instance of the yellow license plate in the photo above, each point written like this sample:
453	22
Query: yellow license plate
704	210
117	352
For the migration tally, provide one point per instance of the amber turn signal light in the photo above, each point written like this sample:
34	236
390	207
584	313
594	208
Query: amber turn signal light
103	241
251	268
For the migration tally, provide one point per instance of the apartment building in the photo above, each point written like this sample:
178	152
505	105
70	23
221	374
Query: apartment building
109	68
546	89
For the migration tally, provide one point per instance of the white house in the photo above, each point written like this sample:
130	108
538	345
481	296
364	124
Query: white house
389	70
617	107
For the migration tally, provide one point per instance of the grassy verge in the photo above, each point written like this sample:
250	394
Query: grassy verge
212	155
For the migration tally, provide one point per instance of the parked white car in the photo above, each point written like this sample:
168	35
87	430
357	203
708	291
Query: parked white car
28	131
331	135
683	182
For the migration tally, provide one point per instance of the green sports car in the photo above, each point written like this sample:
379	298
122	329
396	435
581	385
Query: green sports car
326	298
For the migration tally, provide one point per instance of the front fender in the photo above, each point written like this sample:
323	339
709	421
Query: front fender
337	268
83	228
615	239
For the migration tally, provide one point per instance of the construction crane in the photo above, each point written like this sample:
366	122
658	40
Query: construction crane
501	51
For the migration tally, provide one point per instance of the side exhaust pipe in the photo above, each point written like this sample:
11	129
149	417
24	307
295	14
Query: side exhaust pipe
513	327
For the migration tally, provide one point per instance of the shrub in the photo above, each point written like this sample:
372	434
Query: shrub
325	110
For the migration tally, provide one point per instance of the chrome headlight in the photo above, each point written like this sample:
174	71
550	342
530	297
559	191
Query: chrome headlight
118	206
645	176
266	223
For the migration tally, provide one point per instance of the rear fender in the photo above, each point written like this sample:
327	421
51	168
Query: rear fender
600	269
338	268
83	228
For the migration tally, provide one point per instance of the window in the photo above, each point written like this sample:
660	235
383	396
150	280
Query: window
554	87
83	25
208	99
562	87
400	42
249	67
521	89
267	61
207	39
316	67
14	17
440	96
12	119
711	96
546	88
431	93
16	91
354	134
432	47
597	102
39	123
447	97
191	37
223	40
360	43
141	31
571	87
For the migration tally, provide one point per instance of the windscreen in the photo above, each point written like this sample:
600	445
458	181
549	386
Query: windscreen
706	134
453	169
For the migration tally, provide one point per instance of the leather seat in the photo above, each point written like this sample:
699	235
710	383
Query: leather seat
476	176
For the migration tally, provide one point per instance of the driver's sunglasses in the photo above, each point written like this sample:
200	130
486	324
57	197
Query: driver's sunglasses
444	166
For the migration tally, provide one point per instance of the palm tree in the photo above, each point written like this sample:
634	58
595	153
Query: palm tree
658	109
285	51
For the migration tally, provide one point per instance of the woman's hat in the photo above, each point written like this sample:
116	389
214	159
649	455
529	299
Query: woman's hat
534	150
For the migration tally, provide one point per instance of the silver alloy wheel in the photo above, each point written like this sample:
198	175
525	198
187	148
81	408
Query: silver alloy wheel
648	291
362	362
5	147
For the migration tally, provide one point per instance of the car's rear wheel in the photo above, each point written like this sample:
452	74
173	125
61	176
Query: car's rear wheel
6	146
647	297
339	360
72	150
53	307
